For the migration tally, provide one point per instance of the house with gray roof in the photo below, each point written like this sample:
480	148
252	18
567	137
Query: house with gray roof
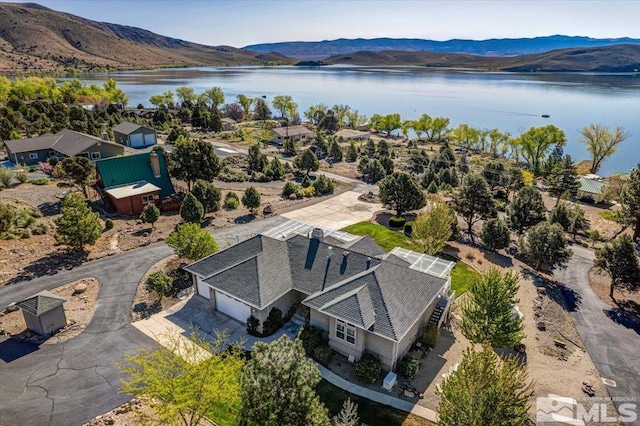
134	135
366	300
294	133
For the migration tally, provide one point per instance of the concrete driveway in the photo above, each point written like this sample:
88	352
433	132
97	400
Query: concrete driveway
613	342
72	382
336	212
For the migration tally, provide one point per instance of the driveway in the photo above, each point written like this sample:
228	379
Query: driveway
612	342
336	212
73	382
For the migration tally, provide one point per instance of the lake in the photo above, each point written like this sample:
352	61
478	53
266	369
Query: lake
507	101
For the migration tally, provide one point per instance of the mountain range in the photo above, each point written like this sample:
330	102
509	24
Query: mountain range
34	38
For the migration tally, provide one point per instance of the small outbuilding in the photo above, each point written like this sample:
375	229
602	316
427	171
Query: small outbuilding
228	123
591	189
44	313
134	135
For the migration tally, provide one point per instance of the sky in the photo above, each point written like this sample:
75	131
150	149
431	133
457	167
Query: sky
243	22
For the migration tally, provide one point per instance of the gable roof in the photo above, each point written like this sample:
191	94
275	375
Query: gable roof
383	295
289	131
228	120
591	186
66	141
118	171
126	127
41	303
366	245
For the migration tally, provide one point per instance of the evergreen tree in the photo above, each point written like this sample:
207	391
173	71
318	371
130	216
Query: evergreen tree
496	234
432	188
251	199
387	164
487	311
335	151
192	210
192	160
371	148
159	283
474	201
278	387
207	194
494	173
371	169
78	225
256	159
563	179
150	214
526	210
401	192
7	217
307	161
191	242
547	246
261	110
80	171
620	261
348	415
352	152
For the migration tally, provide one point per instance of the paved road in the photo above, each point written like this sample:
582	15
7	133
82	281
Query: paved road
613	345
72	382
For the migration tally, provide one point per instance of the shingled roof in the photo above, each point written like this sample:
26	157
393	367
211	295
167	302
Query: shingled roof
126	128
41	303
382	295
67	142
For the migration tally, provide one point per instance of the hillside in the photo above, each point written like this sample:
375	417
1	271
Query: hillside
618	58
33	37
493	47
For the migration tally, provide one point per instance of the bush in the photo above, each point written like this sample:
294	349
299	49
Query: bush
323	354
306	181
397	221
430	334
108	224
252	326
324	185
40	181
39	229
5	177
408	227
501	205
234	177
289	188
311	338
295	196
367	368
160	283
308	192
273	323
231	200
22	175
408	367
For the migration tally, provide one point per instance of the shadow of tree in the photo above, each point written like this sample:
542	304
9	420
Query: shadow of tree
50	265
49	208
564	296
244	219
626	315
145	310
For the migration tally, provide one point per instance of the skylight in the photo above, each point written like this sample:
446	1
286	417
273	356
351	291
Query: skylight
424	263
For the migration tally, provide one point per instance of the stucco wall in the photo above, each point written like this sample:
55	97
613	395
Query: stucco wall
343	346
382	347
414	332
53	320
283	303
105	150
33	323
319	320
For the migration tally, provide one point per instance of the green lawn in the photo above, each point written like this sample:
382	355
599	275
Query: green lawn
462	274
371	413
608	215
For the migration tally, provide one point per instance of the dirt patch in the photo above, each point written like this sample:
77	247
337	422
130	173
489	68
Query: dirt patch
79	309
626	301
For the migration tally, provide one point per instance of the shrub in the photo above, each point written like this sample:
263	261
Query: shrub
295	196
501	205
108	224
323	354
273	323
311	338
5	177
408	227
306	181
234	177
289	188
25	233
367	368
39	229
430	334
397	221
324	185
22	175
308	192
40	181
192	210
231	200
159	283
252	326
408	367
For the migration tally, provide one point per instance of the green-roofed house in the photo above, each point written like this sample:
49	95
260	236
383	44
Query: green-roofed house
131	182
591	189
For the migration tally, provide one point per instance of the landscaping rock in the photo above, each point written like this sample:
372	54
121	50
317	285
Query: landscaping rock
12	308
80	288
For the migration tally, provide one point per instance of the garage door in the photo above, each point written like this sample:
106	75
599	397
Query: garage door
137	140
149	139
232	307
203	289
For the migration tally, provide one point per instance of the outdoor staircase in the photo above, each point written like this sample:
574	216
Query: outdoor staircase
442	305
301	316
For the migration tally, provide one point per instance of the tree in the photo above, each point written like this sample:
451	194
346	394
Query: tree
278	386
348	415
432	229
186	95
150	214
191	242
307	161
213	97
630	201
234	111
485	390
372	169
546	245
78	225
80	171
7	217
352	152
245	102
207	194
474	201
159	283
191	210
261	110
192	160
494	174
187	381
563	179
496	234
401	192
251	199
514	181
335	151
487	311
535	144
601	142
526	210
285	105
620	261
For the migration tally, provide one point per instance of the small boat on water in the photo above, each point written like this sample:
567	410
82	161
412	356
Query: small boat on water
545	116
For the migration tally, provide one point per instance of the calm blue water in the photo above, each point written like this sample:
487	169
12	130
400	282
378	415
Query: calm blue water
509	102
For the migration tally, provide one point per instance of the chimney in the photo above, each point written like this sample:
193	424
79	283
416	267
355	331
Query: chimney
345	254
317	234
329	253
368	262
155	164
105	136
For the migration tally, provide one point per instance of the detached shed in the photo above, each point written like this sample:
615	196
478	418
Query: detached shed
134	135
44	313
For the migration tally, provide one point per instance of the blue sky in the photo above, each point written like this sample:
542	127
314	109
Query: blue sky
242	22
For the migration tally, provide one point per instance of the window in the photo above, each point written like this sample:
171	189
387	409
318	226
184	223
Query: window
33	156
146	199
346	331
95	155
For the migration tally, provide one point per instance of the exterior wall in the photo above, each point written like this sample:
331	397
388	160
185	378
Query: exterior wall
597	198
23	157
123	138
33	323
105	150
131	205
53	320
343	346
383	348
319	320
414	332
283	303
300	137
